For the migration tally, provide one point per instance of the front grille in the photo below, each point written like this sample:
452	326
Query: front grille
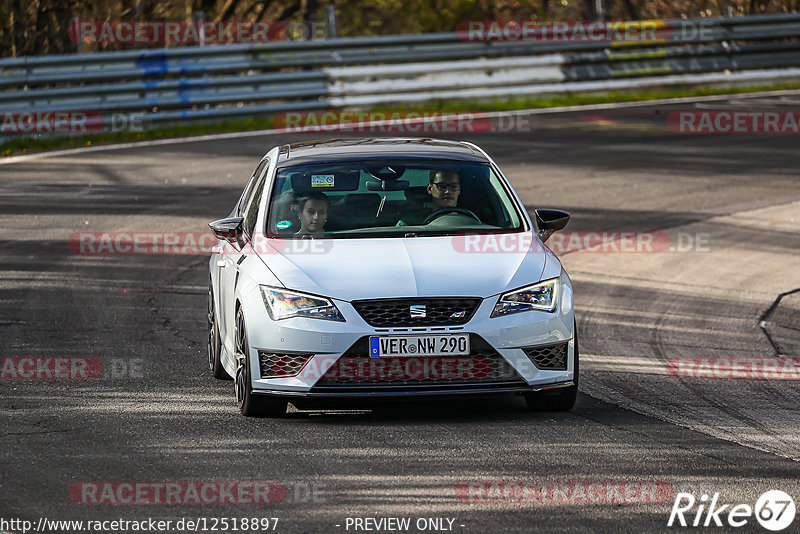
276	365
551	357
397	312
355	370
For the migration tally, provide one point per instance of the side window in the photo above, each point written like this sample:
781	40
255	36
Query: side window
282	207
245	199
251	214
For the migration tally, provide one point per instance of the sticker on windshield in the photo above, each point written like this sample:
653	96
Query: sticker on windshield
283	225
321	180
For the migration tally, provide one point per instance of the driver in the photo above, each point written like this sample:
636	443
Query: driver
444	187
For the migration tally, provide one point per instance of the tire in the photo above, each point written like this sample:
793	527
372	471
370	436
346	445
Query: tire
250	405
558	400
214	341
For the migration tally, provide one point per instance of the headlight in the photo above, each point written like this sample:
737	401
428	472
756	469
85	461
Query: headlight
282	304
542	296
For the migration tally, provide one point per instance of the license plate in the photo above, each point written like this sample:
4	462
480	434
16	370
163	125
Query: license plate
404	346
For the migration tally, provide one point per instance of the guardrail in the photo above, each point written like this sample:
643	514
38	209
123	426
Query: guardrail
228	81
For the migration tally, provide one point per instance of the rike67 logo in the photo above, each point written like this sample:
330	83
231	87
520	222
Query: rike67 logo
774	510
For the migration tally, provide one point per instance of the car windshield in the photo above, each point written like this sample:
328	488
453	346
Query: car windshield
389	198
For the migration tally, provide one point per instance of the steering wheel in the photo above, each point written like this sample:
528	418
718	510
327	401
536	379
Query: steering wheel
444	211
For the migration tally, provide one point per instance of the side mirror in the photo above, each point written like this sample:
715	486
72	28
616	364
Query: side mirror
228	229
550	221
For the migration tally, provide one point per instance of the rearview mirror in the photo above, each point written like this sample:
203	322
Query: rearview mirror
549	221
228	229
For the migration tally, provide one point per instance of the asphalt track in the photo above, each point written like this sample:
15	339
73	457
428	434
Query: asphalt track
156	416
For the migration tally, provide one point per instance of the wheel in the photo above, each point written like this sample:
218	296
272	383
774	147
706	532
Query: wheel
250	405
557	400
214	342
444	211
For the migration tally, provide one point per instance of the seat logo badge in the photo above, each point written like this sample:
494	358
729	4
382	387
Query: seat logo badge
458	314
418	311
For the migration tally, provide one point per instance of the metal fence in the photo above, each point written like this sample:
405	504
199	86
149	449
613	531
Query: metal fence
231	81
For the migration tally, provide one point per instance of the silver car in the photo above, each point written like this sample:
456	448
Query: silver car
364	269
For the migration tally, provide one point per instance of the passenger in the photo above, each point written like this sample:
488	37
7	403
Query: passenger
312	210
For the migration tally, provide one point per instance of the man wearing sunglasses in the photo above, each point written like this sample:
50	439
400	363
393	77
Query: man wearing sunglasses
443	187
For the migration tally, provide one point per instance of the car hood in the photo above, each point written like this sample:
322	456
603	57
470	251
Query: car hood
352	269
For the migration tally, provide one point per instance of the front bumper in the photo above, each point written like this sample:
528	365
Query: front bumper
330	341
